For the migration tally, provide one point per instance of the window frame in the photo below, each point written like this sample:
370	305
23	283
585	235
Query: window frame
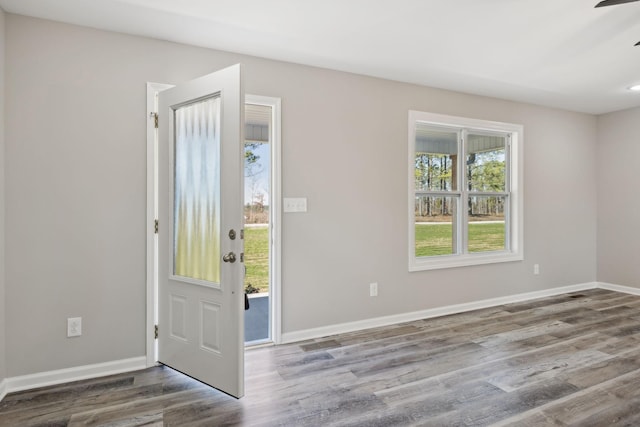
514	215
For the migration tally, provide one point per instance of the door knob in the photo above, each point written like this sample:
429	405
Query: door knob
230	257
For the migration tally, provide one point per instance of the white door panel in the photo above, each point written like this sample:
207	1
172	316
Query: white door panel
201	299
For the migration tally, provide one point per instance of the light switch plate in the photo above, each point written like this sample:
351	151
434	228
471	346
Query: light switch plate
295	204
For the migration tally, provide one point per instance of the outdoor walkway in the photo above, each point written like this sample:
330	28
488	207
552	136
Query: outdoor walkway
256	319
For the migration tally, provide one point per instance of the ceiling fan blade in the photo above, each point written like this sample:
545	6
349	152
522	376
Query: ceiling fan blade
613	2
637	44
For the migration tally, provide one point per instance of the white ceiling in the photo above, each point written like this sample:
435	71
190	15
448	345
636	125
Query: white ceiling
559	53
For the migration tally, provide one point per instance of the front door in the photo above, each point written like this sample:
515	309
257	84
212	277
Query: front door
200	201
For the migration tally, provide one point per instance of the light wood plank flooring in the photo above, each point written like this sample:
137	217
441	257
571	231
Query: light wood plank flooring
572	359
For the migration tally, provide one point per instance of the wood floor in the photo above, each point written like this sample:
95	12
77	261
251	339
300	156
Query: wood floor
567	360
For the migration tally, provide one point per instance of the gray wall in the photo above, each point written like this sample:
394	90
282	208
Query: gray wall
76	192
2	210
618	201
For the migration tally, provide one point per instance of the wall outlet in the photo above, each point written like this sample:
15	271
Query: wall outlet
74	327
536	269
373	289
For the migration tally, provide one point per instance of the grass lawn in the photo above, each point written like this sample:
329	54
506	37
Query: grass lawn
256	257
436	239
431	239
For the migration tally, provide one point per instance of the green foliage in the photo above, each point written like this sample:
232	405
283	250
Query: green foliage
436	239
250	289
487	172
485	237
256	257
250	158
433	171
433	239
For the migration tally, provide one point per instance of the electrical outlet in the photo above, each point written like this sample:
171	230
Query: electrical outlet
536	269
74	327
373	289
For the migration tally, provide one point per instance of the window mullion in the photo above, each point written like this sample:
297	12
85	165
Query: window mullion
508	224
437	193
462	214
489	193
507	205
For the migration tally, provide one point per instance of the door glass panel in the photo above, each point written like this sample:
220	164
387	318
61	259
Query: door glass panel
197	191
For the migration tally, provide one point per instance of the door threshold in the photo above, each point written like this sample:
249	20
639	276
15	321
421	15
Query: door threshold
258	344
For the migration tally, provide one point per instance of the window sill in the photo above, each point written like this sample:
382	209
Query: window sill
453	261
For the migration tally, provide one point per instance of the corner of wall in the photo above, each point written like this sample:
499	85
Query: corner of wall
3	370
616	211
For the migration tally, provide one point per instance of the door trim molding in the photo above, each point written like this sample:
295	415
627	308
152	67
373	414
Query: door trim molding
152	214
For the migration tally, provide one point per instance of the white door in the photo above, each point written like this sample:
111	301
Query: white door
201	298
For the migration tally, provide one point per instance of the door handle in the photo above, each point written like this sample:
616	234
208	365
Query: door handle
230	257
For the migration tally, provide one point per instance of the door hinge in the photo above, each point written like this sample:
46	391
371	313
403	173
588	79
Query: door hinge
155	119
155	331
156	225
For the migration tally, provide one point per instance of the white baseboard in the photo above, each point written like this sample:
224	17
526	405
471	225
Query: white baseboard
342	328
619	288
43	379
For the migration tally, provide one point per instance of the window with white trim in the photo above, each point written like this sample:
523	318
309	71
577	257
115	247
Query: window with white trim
465	197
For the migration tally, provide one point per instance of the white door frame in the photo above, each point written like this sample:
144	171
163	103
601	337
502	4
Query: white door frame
275	212
275	201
